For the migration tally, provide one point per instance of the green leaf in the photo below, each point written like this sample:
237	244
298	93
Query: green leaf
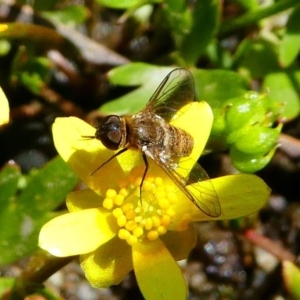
31	72
178	18
23	217
256	57
70	15
41	5
146	77
248	4
290	44
205	22
6	284
213	86
283	88
122	4
216	86
48	188
9	178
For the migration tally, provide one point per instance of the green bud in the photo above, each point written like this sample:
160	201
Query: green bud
258	140
249	163
245	111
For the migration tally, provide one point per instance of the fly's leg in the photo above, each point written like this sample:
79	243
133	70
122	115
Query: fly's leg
112	157
144	174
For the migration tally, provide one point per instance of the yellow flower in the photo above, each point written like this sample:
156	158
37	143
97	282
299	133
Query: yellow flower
4	108
114	231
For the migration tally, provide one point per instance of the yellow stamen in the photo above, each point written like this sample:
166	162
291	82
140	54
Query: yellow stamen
108	203
152	235
156	221
142	218
131	225
131	240
138	231
110	193
121	221
123	234
118	199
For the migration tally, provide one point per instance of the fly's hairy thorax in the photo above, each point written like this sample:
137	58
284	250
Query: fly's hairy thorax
151	133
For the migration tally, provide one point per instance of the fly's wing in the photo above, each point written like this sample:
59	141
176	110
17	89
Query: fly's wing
203	192
196	186
175	91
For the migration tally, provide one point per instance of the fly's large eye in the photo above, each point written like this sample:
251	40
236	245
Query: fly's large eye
109	132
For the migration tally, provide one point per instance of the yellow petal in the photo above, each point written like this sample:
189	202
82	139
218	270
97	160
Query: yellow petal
196	119
83	199
77	233
240	195
4	108
108	265
291	277
180	243
157	273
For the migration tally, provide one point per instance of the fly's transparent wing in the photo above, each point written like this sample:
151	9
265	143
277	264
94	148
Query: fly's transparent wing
196	186
202	190
176	90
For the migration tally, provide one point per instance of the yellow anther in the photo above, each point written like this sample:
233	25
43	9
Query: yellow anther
158	181
139	209
127	207
123	234
117	212
162	230
138	219
152	235
150	179
121	221
172	197
130	214
118	199
165	220
170	211
163	203
110	193
147	186
156	221
138	231
143	217
150	209
130	225
108	203
160	193
131	240
169	188
148	224
123	192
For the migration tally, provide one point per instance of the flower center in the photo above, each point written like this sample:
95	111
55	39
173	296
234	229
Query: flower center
144	216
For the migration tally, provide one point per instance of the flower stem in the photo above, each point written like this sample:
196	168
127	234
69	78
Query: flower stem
253	16
40	267
269	245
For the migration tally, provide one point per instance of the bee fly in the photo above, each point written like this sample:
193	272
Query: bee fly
149	131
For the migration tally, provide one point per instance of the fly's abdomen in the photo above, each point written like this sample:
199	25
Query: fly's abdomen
179	142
